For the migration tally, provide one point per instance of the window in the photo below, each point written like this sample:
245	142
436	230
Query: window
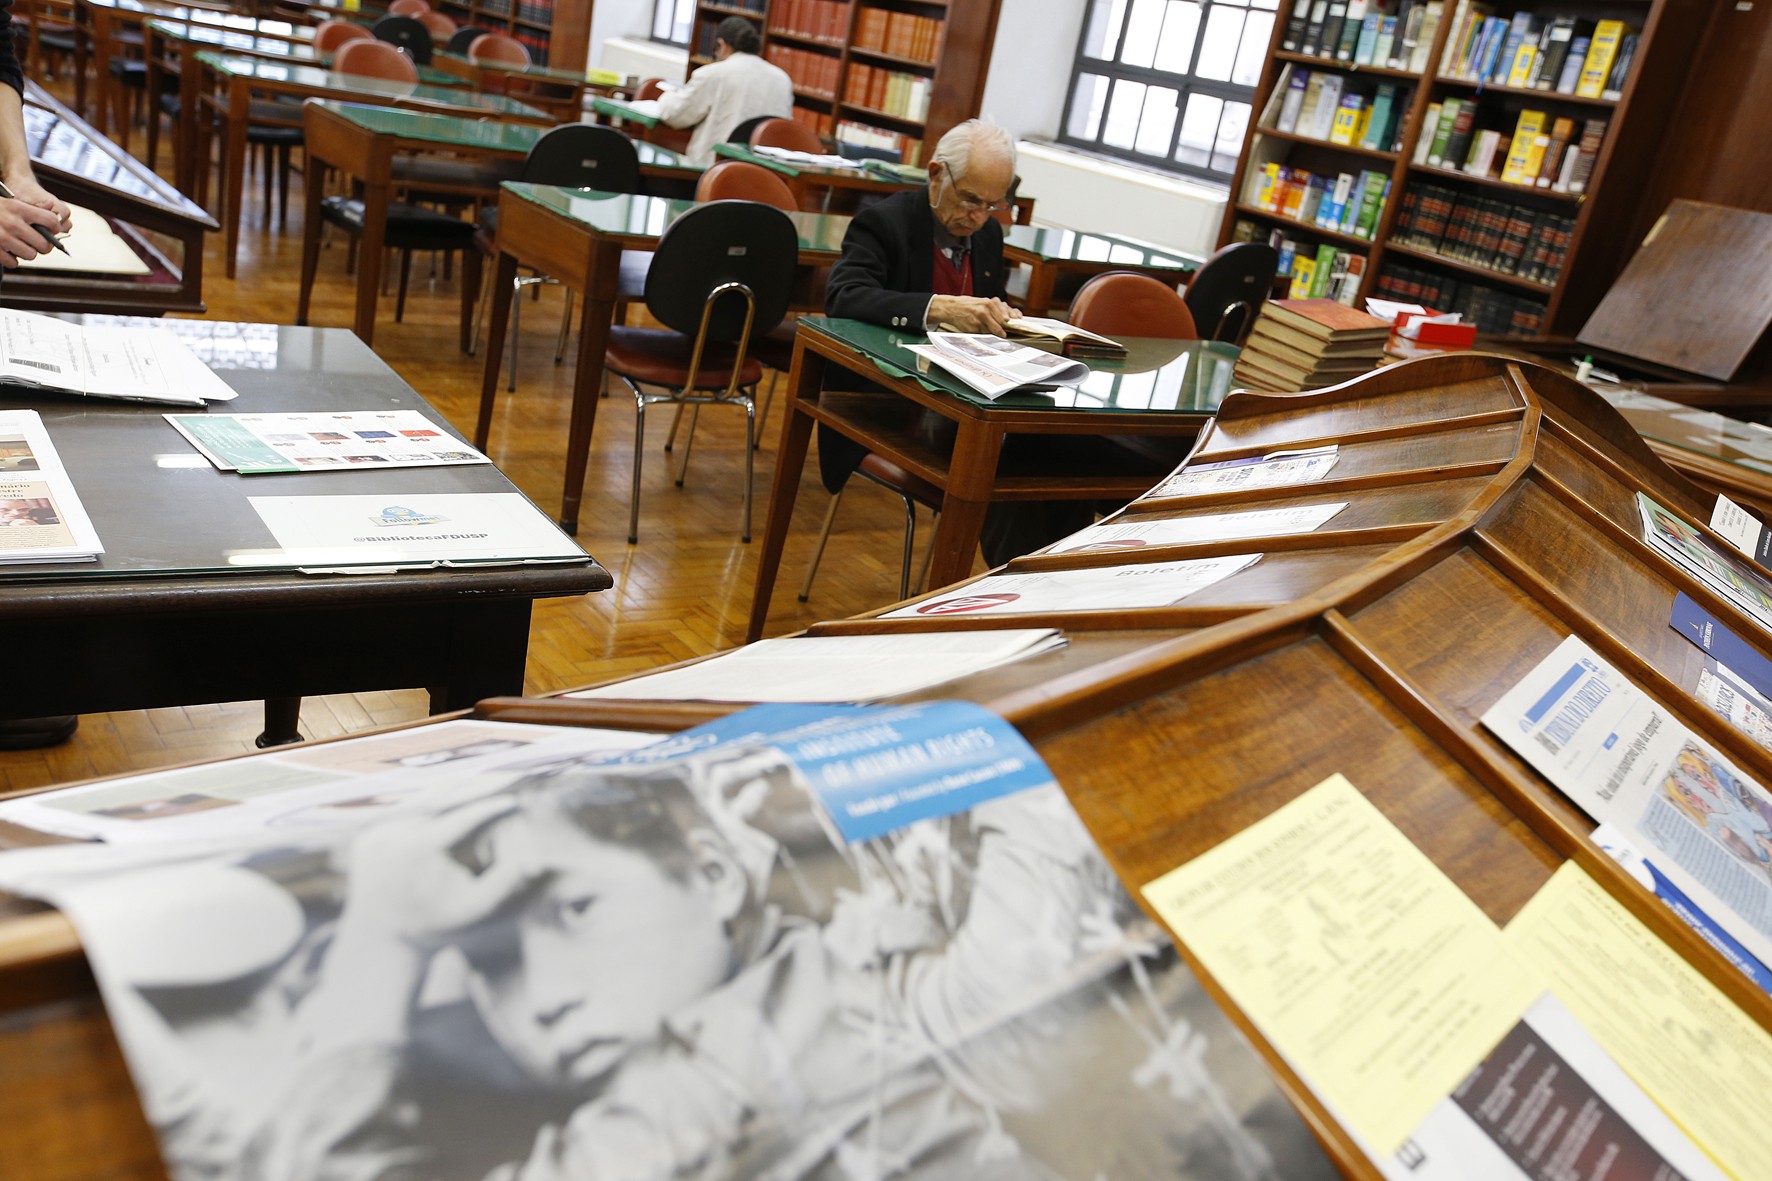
671	20
1168	82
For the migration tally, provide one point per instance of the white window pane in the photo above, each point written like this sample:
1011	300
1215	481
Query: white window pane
1231	126
1199	130
1122	114
1218	50
1085	118
1158	121
1102	35
1253	51
1270	5
1140	46
1175	48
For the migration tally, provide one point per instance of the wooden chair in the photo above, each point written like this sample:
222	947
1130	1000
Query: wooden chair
739	180
672	139
499	48
329	35
722	274
787	133
373	58
408	7
1122	303
1228	291
442	27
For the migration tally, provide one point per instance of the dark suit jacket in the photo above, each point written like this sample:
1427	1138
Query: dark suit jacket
885	274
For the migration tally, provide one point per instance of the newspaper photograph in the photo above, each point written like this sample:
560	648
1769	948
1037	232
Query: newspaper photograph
676	965
1731	576
993	365
41	517
1627	762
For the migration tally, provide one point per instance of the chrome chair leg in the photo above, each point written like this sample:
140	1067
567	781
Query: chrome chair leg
750	452
824	535
639	455
676	421
515	338
910	547
928	553
688	442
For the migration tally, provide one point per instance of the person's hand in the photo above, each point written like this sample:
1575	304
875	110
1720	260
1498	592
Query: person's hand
25	231
25	188
971	313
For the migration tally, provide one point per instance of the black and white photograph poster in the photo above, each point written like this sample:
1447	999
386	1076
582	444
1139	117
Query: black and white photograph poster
805	942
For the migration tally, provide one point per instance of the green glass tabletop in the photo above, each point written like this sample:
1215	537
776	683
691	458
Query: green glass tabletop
1171	376
627	213
544	73
616	109
454	131
1072	246
1699	431
313	77
156	8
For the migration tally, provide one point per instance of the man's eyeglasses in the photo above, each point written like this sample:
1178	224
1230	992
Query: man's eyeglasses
973	203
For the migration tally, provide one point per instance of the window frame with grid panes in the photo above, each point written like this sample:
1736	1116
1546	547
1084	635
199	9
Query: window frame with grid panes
665	12
1112	22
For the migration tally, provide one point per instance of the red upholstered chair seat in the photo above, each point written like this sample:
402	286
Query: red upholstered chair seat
655	356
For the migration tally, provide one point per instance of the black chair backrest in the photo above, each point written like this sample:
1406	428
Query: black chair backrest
409	33
462	38
742	133
584	156
1227	293
724	242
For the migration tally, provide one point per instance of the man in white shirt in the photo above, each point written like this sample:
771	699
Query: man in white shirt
738	85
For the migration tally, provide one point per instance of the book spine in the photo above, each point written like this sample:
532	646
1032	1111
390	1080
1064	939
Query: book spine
1458	144
1730	650
1449	108
1596	67
1296	25
1430	28
1519	152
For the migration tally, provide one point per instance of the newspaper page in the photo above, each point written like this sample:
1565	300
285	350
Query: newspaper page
1147	531
1730	576
254	444
41	517
1628	762
1144	584
679	964
993	366
104	361
1276	469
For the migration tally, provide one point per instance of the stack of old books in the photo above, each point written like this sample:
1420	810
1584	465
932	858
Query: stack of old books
1304	344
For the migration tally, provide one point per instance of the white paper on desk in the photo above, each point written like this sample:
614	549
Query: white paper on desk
394	529
1144	584
103	361
1626	761
303	787
41	517
93	247
642	106
1146	531
855	669
809	159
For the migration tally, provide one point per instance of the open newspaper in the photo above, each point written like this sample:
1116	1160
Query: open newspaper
41	517
994	366
104	361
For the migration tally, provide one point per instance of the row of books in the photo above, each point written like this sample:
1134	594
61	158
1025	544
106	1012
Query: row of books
540	12
850	132
1397	34
1569	56
1344	203
899	33
891	91
1328	272
536	43
1322	105
1495	313
1485	231
1540	152
819	121
811	71
827	20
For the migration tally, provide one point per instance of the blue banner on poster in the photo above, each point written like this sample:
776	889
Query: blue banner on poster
878	768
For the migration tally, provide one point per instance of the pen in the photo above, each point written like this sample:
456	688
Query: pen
47	236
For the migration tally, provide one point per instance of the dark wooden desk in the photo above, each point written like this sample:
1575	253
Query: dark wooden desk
1164	388
577	237
170	615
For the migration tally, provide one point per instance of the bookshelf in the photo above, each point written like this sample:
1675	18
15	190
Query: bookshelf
556	32
1509	182
892	74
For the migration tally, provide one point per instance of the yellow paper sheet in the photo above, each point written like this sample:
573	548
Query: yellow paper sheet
1685	1043
93	246
1376	977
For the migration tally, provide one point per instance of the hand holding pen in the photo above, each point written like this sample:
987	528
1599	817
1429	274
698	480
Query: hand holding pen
50	238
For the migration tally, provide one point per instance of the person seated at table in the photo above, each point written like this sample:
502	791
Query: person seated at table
736	86
933	258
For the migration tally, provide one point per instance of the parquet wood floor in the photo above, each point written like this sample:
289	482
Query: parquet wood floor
682	591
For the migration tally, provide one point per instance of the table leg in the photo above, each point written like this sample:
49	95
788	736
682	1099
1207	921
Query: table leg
498	315
596	315
189	92
369	252
313	187
488	646
234	167
971	474
101	68
1041	278
155	52
805	378
282	719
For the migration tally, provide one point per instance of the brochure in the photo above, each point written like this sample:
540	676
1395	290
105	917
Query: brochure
994	366
1144	584
41	517
104	361
253	444
423	529
1730	576
1274	470
1147	531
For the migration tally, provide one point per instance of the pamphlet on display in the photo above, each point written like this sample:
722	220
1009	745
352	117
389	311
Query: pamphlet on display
423	529
994	366
1725	573
1273	470
41	517
104	361
1144	584
1148	531
254	444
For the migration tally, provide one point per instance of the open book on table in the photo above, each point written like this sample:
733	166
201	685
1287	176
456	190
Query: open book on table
104	361
1076	342
994	366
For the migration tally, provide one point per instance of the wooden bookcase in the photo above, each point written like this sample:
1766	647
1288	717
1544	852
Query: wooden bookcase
1599	221
556	32
889	73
